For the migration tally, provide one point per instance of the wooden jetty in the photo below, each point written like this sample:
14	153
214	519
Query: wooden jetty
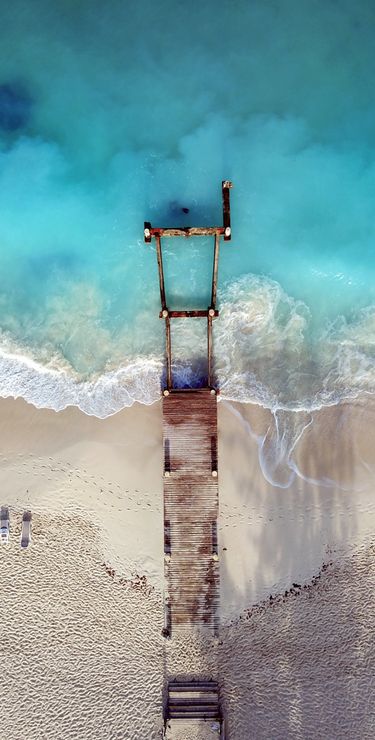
191	499
191	509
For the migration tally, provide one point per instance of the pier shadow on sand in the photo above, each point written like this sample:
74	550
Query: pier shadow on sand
301	644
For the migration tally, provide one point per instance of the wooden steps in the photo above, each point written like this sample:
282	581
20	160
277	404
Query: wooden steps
193	700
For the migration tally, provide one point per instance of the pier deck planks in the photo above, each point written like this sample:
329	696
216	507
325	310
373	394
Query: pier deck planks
191	506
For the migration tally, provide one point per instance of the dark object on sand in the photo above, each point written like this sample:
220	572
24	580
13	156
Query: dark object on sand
4	525
26	530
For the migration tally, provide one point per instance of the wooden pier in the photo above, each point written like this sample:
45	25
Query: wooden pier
191	509
191	499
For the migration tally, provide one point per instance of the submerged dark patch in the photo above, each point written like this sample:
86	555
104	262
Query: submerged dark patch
44	266
15	107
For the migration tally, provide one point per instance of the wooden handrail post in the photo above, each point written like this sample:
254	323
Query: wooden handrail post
222	729
169	352
215	271
161	271
225	186
210	315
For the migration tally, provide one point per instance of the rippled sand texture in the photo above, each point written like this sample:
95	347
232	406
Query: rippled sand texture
304	667
81	651
299	665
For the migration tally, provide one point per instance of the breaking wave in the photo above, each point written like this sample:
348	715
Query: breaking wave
267	352
55	385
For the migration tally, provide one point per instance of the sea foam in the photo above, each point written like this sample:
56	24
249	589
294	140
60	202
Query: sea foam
265	352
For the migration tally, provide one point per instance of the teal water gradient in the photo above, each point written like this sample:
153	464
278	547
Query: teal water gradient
116	113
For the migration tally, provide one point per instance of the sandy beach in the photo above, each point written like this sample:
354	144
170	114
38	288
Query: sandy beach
81	608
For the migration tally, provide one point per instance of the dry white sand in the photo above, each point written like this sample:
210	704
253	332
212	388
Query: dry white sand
81	609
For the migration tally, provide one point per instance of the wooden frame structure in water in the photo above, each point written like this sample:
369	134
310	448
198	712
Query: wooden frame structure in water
157	233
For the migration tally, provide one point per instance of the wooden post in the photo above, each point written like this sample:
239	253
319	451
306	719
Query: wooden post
167	631
161	271
214	538
215	271
222	729
167	537
210	316
169	352
226	185
214	455
147	232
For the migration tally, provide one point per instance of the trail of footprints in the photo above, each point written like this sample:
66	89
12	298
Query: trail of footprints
76	478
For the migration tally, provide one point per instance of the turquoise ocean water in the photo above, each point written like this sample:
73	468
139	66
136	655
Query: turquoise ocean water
115	113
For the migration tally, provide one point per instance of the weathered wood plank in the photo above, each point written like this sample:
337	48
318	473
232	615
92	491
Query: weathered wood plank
186	231
190	314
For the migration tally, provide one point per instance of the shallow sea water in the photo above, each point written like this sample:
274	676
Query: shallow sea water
112	114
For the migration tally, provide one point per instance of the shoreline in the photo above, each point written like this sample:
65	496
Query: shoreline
57	386
271	533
